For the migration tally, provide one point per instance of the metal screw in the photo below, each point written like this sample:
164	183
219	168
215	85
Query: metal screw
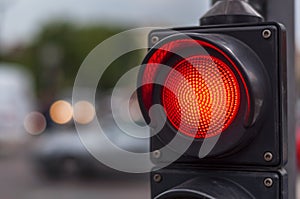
266	33
268	156
157	178
268	182
154	39
156	154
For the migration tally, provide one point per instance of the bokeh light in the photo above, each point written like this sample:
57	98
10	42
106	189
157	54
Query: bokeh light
61	112
35	123
84	112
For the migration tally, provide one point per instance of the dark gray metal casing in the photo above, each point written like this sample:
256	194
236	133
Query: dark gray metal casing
271	136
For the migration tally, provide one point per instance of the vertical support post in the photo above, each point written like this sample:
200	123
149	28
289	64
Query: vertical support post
283	12
274	11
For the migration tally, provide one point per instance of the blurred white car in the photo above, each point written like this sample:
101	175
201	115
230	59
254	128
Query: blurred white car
16	101
60	152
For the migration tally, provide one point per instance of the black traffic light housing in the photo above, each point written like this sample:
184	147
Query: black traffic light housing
262	153
202	183
258	157
248	159
272	121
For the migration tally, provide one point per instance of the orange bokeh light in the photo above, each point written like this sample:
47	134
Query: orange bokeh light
61	112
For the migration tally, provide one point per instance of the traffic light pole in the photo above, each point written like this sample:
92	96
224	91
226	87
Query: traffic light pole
283	12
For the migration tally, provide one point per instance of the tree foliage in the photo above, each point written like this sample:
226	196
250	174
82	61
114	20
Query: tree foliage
57	52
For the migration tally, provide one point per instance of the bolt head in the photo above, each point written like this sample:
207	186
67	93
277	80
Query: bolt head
156	154
268	182
268	156
157	178
266	33
154	39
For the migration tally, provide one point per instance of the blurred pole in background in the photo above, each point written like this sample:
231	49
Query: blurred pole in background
284	12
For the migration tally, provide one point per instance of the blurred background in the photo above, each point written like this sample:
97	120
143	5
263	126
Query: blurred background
42	45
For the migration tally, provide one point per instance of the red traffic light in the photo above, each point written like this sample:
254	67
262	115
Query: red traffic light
205	82
215	86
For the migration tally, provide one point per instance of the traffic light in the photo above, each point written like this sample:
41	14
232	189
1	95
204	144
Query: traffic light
221	131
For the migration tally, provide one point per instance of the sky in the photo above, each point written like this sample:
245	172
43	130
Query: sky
22	19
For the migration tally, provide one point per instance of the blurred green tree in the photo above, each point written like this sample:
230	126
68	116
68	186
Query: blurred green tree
57	52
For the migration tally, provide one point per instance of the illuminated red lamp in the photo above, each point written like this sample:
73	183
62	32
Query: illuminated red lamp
201	99
207	90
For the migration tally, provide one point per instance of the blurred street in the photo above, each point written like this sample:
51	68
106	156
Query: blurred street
18	180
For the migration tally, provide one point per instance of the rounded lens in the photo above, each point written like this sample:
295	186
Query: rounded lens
201	96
